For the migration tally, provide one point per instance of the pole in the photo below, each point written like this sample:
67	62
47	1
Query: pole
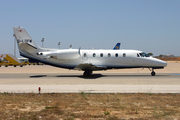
14	47
42	41
59	45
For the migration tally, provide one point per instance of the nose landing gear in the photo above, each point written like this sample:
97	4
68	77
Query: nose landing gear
152	73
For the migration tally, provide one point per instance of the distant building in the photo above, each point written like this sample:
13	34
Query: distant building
168	55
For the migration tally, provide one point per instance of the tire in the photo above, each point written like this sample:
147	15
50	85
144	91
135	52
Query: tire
87	73
153	73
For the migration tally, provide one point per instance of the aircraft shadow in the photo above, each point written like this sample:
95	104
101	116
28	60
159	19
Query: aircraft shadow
93	76
134	75
37	76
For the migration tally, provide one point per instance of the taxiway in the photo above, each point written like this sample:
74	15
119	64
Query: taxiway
51	79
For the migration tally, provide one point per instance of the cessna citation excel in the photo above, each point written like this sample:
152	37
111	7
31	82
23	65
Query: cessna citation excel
85	60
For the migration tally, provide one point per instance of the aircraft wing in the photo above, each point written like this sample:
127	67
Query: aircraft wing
87	66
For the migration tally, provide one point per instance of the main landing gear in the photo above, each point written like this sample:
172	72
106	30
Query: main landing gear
87	73
152	73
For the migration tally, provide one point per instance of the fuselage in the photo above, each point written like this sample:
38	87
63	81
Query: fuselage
109	58
120	59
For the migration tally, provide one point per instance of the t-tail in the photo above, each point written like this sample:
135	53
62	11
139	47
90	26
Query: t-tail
22	36
25	43
27	46
117	46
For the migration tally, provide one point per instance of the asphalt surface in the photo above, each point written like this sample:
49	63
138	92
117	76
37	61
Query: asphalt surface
54	80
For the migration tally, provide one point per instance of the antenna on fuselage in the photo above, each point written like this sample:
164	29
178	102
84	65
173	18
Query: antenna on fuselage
70	46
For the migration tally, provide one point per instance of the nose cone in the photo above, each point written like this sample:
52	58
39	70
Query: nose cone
163	63
160	63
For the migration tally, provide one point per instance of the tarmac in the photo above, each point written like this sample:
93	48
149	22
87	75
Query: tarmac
56	80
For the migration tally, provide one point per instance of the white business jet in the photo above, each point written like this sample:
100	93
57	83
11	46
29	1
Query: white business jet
85	60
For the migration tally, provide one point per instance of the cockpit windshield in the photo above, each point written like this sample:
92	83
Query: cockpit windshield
143	54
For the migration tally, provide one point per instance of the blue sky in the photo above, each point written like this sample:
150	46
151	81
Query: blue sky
147	25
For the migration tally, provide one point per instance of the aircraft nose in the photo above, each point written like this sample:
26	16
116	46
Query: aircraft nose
163	63
160	63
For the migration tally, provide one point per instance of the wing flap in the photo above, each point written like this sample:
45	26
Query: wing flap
86	66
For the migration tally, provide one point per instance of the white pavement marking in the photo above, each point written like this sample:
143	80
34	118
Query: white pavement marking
90	88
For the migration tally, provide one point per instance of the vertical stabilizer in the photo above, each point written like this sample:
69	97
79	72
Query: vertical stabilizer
117	46
22	36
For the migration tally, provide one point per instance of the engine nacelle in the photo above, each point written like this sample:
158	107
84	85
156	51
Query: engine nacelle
62	54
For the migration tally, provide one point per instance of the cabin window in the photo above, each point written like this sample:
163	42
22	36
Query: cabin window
124	54
109	55
85	54
137	55
116	54
101	54
94	54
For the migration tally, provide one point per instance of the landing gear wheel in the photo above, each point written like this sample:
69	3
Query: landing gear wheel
87	73
153	73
